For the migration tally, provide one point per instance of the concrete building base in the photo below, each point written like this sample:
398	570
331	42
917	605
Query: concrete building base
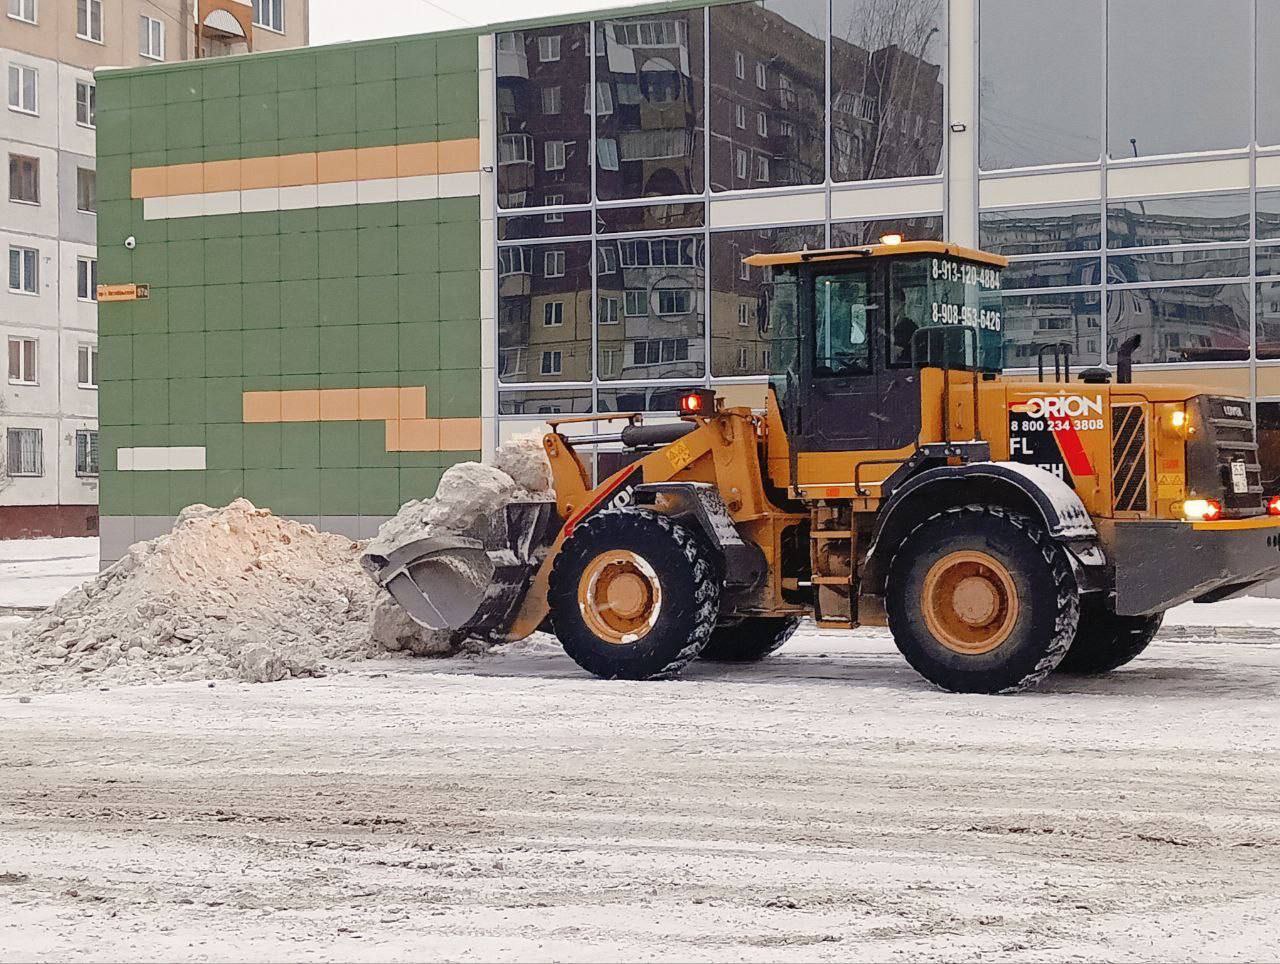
47	521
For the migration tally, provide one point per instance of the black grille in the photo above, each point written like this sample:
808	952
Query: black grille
1230	425
1129	457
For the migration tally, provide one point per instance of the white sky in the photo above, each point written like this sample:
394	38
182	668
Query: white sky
334	21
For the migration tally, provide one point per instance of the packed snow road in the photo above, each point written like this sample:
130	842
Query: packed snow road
826	805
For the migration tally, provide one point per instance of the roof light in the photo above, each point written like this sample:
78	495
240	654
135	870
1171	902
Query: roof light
891	239
1202	510
1273	505
699	401
1178	419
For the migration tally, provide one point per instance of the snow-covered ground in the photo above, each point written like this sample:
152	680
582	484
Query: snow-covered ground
824	805
35	572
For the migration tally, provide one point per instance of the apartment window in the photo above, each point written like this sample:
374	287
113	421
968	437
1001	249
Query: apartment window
607	154
762	170
609	362
22	361
86	103
551	100
553	264
24	179
553	314
25	452
553	217
151	38
269	14
86	190
86	453
87	366
739	64
24	270
610	311
740	117
551	362
675	301
740	164
87	279
744	314
636	302
23	10
89	20
607	261
553	155
604	99
762	124
762	78
742	358
788	129
514	261
23	89
744	270
549	48
766	359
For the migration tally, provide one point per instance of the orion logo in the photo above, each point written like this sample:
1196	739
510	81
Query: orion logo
1063	406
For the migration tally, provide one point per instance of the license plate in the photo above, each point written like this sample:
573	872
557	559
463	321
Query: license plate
1239	480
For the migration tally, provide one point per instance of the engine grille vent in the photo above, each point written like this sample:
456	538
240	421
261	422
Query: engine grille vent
1129	457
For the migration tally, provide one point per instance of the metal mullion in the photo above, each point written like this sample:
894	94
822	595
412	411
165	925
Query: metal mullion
1184	246
593	27
1181	283
829	122
706	193
1103	161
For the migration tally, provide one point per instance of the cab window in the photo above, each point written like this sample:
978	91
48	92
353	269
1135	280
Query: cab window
845	315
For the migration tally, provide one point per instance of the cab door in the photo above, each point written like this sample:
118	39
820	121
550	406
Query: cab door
843	410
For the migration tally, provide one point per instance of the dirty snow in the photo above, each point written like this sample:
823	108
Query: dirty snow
232	592
825	804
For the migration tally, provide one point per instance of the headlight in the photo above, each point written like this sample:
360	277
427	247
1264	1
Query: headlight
1179	419
1201	510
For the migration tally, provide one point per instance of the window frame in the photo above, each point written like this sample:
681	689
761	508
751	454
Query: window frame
35	161
23	251
553	263
555	155
551	98
149	28
546	48
91	462
19	71
20	4
89	103
276	6
25	377
92	182
86	279
37	450
762	75
89	352
90	7
555	357
553	314
739	65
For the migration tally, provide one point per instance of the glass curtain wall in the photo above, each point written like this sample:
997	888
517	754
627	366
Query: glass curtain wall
1066	88
615	137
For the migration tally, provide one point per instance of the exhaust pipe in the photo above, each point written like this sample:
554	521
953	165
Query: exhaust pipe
1124	359
469	585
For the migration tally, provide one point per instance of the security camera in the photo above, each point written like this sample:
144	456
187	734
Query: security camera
131	242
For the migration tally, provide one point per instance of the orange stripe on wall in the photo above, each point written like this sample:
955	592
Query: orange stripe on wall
322	167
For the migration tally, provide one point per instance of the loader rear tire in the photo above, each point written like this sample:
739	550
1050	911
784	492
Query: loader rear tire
981	600
1105	641
749	640
633	595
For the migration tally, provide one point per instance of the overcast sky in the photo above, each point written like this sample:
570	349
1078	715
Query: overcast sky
333	21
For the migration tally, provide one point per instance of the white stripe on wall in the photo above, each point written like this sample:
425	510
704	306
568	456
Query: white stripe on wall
160	458
336	194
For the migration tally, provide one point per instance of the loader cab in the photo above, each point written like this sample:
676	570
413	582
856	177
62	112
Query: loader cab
852	327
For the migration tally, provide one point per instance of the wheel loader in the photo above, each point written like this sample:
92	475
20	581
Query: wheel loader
1002	527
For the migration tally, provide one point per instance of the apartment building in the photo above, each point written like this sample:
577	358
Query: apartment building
49	50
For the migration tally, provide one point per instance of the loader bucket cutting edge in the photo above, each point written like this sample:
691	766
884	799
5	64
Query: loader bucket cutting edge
440	582
447	582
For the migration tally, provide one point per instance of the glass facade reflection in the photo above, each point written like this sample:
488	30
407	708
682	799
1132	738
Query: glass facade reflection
887	88
1040	64
768	94
650	105
663	128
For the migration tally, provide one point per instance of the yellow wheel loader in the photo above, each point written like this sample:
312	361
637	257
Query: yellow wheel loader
1002	528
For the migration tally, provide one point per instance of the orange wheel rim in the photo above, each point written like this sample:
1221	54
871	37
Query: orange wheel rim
619	596
970	603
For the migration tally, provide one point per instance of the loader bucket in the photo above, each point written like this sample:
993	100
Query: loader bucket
471	585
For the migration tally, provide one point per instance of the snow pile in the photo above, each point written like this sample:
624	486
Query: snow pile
229	593
467	501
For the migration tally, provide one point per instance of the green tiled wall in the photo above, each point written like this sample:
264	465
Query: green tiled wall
339	297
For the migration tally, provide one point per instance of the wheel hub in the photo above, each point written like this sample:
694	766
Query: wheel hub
619	596
969	602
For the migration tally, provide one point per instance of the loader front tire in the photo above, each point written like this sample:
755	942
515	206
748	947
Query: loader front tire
633	595
749	640
981	600
1105	641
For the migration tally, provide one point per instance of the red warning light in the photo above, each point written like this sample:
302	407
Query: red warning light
698	402
1273	505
